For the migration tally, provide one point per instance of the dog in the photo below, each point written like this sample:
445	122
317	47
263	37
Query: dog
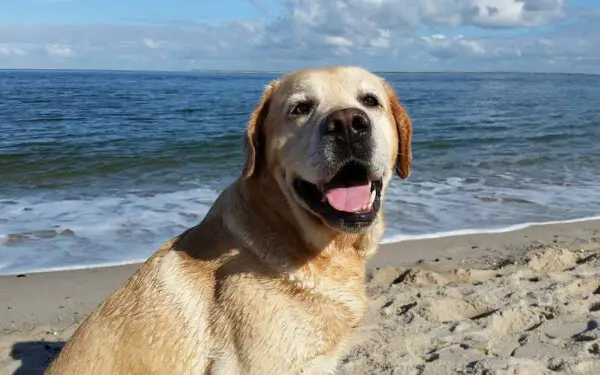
272	280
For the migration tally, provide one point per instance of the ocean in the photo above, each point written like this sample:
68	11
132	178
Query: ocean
100	168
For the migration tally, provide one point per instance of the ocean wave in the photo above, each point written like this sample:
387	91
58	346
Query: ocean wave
6	270
472	231
134	158
38	233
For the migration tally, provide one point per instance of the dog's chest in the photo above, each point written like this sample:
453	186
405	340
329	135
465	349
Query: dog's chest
289	326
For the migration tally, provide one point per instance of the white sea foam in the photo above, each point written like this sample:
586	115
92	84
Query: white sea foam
42	235
37	234
394	239
465	232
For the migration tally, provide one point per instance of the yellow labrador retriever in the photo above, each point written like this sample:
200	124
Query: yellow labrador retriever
272	280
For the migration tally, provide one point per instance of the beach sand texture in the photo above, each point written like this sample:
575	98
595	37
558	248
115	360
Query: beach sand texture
521	302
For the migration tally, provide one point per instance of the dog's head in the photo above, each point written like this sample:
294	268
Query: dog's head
332	138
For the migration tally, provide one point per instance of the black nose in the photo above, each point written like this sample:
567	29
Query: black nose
348	123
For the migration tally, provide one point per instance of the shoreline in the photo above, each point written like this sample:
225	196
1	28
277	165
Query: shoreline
392	240
40	311
480	249
476	231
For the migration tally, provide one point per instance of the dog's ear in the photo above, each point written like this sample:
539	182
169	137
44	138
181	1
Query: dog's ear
404	129
254	140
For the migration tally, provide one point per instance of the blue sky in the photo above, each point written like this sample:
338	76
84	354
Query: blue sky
64	12
402	35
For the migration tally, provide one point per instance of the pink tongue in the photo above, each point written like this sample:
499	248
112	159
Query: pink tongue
349	199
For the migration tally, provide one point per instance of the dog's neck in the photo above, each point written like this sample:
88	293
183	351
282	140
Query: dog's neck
280	237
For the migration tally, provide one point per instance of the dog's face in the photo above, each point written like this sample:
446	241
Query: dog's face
332	138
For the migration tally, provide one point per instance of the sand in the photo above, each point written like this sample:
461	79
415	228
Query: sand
522	302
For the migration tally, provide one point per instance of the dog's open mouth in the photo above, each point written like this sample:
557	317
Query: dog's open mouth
350	200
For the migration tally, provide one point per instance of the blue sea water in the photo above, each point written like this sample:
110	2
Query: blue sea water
100	168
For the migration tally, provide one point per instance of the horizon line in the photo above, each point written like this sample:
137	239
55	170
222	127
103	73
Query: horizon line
253	71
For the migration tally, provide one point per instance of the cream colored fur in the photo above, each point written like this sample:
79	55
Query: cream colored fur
261	286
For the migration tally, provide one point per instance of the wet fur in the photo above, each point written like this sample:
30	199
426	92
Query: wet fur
260	286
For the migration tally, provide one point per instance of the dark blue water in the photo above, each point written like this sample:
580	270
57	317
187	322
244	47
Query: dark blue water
89	160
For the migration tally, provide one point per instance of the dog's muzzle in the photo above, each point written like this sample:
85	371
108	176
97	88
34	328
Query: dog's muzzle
348	196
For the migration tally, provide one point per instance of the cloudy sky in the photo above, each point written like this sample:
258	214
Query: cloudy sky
396	35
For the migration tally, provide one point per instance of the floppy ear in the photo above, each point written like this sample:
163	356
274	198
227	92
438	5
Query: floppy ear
254	144
404	129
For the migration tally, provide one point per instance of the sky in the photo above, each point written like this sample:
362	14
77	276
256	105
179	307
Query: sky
382	35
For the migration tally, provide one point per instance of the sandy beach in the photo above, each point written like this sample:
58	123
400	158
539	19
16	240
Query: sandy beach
520	302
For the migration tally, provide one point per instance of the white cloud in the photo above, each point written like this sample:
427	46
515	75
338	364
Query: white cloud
382	41
338	41
381	34
365	26
513	13
449	47
59	51
435	38
151	43
396	14
8	50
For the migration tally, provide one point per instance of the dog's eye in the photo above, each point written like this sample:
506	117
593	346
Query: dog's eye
302	108
370	100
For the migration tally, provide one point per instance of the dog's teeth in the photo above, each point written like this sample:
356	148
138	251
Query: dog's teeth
373	194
